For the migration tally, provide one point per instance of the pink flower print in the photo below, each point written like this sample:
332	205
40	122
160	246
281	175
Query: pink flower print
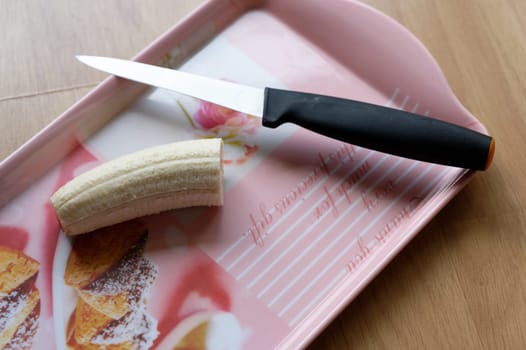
237	129
210	116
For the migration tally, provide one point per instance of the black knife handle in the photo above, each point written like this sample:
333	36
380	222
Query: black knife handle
380	128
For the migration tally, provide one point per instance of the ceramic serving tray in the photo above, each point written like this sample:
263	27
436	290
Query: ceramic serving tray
307	221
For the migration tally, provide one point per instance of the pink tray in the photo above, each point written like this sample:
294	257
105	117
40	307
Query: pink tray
307	221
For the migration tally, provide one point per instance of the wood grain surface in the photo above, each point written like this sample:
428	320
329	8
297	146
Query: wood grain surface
461	283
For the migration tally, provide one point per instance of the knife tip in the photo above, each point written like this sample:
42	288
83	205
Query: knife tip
81	58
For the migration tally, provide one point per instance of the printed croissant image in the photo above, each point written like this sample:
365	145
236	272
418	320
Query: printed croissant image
19	299
112	278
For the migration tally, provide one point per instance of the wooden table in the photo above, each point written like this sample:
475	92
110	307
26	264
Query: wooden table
461	284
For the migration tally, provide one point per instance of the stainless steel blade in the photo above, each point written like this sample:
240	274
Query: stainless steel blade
238	97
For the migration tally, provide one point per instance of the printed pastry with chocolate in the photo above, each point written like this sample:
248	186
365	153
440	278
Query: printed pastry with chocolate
19	299
112	278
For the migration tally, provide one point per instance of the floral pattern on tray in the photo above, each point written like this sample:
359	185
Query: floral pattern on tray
235	128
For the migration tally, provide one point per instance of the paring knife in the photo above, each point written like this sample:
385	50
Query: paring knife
367	125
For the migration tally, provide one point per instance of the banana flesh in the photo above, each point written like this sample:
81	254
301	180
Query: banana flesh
177	175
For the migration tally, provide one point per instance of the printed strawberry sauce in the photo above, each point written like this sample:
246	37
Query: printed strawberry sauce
13	237
201	281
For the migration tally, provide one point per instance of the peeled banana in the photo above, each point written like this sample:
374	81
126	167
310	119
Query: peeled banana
177	175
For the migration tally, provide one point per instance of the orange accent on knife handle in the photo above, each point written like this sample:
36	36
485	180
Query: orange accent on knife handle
380	128
491	152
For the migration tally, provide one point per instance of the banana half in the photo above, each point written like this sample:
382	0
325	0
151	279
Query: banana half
177	175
